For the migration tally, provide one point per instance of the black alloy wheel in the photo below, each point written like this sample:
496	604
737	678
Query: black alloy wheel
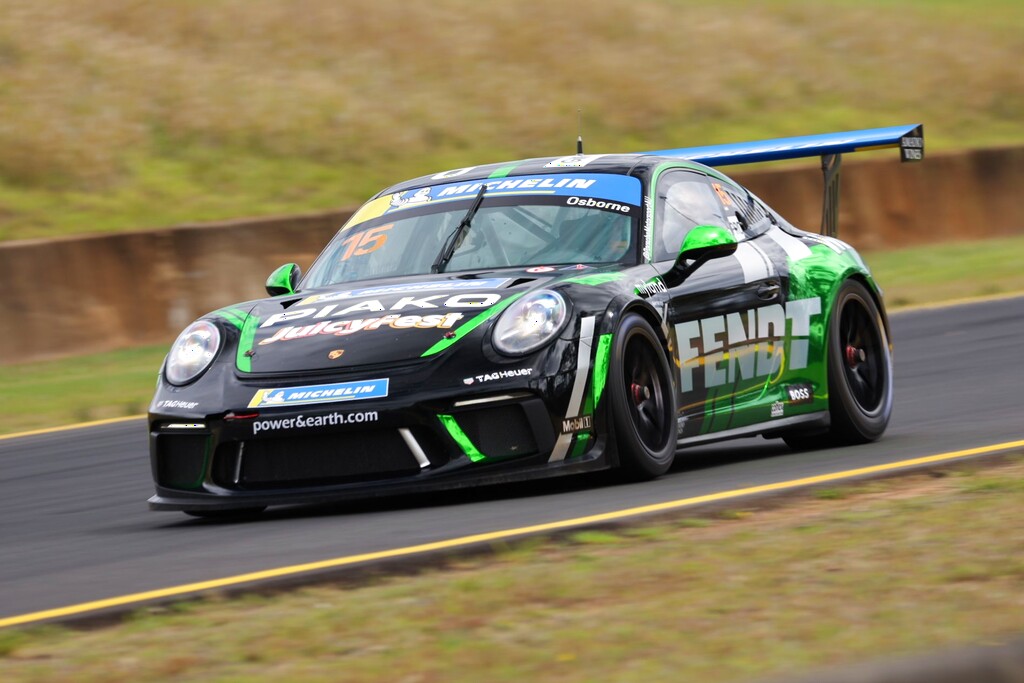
860	388
642	400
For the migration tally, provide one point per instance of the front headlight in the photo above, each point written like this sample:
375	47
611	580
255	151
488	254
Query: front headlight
530	323
192	352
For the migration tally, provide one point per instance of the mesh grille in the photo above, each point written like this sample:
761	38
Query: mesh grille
181	460
499	432
314	460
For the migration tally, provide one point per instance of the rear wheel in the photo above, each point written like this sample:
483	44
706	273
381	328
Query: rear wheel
642	400
859	372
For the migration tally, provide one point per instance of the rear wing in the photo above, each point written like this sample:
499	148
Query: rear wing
829	146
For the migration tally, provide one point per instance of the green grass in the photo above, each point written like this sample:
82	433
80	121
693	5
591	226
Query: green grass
117	115
899	566
119	383
80	389
944	272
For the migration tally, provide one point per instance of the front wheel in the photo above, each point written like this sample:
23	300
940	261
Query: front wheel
860	390
643	403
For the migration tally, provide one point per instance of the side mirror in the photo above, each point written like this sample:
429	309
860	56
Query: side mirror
702	243
284	280
707	242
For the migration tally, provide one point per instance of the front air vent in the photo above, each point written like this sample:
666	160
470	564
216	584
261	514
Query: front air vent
324	459
180	460
499	431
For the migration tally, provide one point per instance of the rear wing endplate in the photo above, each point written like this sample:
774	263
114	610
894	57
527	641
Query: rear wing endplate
829	146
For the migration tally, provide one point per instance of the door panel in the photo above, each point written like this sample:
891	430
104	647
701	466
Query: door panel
725	320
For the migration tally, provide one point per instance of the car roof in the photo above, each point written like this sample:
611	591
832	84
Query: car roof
622	164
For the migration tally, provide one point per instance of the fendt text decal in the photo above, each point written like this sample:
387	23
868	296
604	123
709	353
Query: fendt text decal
745	345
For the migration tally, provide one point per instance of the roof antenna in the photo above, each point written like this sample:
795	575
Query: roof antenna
579	132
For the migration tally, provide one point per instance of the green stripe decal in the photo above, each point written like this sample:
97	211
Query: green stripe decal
595	279
459	436
471	325
601	359
243	361
502	172
233	315
582	439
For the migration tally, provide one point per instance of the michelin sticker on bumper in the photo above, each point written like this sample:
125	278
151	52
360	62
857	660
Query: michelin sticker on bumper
320	393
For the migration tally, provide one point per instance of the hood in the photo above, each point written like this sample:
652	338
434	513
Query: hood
382	322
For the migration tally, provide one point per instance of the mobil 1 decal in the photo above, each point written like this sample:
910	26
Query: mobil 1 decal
722	356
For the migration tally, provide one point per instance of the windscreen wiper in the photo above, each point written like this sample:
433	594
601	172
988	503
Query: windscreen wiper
454	239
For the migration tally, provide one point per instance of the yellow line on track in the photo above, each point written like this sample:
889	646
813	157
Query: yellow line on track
464	541
64	428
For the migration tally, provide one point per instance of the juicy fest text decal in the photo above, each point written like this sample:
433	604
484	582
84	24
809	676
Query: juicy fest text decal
326	325
743	345
320	393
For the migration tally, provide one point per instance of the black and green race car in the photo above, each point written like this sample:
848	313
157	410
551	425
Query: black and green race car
532	319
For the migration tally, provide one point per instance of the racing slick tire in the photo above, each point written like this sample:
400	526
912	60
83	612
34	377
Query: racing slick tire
860	392
643	410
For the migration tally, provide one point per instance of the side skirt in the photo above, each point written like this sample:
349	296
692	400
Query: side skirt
808	422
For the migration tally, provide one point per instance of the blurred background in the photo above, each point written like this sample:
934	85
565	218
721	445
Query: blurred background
120	115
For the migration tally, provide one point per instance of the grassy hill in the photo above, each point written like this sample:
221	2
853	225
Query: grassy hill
119	115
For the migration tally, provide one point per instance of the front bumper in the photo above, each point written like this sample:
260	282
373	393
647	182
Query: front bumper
327	454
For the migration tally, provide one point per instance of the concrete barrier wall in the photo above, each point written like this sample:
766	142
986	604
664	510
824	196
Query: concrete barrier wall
97	293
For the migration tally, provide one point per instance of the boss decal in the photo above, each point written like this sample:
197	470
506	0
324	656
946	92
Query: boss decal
320	393
800	393
346	327
337	310
745	345
577	424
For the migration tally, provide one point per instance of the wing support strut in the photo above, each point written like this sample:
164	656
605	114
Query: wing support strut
830	202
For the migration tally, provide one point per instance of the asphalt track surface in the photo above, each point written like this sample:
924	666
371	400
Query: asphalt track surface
76	534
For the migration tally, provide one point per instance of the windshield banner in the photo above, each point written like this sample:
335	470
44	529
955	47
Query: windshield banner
601	186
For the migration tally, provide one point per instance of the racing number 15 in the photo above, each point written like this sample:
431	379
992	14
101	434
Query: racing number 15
363	243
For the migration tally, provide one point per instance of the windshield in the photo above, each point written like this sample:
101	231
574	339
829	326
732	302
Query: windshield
560	222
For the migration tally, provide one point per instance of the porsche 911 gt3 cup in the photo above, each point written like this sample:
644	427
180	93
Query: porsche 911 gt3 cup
531	319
